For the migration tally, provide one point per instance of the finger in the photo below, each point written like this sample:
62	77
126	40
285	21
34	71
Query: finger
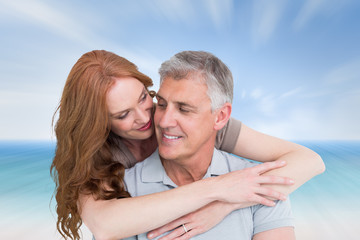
274	180
170	226
265	167
262	200
174	234
189	234
268	192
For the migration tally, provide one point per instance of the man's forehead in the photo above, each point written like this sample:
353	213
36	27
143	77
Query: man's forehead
185	91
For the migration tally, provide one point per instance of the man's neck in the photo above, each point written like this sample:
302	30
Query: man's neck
191	169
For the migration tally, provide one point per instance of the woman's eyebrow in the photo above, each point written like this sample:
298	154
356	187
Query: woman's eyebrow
142	93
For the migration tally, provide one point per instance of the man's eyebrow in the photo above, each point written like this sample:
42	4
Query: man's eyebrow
159	96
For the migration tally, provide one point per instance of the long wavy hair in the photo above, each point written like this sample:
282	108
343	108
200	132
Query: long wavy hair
83	162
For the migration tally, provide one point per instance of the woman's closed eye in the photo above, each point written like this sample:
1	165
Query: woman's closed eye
143	98
123	116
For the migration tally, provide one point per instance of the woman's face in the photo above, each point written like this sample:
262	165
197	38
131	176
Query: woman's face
130	109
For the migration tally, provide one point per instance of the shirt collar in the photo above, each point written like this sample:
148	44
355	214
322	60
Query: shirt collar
218	166
153	170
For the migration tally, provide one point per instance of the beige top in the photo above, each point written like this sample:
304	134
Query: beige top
225	141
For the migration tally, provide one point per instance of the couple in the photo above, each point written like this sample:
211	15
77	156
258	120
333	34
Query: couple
107	122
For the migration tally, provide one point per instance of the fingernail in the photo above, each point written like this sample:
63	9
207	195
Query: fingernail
291	181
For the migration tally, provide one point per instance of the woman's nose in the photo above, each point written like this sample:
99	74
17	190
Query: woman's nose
142	116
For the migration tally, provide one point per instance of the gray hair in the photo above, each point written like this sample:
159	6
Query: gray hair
205	67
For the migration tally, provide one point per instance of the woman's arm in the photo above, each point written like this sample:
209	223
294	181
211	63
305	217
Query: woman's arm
302	163
120	218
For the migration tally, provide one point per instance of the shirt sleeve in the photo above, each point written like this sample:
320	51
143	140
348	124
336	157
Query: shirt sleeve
266	218
228	135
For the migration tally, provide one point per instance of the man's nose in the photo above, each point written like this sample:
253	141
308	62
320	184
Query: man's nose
167	118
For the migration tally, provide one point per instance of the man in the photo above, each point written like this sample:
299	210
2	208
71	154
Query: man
194	103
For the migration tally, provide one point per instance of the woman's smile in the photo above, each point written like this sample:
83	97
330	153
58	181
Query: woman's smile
146	126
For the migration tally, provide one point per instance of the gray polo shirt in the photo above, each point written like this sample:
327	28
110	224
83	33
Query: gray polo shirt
149	177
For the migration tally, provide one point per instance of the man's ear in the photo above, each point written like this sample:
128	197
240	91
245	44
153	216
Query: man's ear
222	116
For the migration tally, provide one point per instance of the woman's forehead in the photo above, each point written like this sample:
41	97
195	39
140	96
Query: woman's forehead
124	93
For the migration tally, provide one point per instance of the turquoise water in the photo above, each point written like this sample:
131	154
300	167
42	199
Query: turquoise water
25	183
328	200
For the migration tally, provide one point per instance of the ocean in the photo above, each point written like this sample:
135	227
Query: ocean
326	207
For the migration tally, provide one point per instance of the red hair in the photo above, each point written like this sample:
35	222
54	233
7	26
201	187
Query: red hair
83	162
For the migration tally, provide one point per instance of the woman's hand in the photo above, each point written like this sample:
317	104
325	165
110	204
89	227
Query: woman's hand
247	187
195	223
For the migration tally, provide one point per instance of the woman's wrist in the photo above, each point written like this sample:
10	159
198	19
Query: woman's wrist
214	189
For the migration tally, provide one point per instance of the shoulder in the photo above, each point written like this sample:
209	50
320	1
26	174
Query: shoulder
230	161
267	218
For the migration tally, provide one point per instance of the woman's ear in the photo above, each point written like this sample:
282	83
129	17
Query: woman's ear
222	116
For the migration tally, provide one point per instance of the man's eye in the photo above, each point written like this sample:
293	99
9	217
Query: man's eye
184	110
161	105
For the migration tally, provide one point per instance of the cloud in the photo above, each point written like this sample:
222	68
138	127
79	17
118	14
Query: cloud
291	92
268	103
54	20
346	72
266	16
312	8
191	12
308	11
298	124
256	93
26	115
333	119
221	12
60	22
176	11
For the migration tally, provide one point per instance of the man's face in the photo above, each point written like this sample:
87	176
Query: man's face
183	119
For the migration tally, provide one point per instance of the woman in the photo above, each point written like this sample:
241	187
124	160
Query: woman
105	123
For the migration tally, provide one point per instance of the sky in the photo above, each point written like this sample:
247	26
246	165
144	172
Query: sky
296	64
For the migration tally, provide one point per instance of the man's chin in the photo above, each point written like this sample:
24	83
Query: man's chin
167	153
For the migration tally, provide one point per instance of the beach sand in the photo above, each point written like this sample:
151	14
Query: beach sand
320	226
